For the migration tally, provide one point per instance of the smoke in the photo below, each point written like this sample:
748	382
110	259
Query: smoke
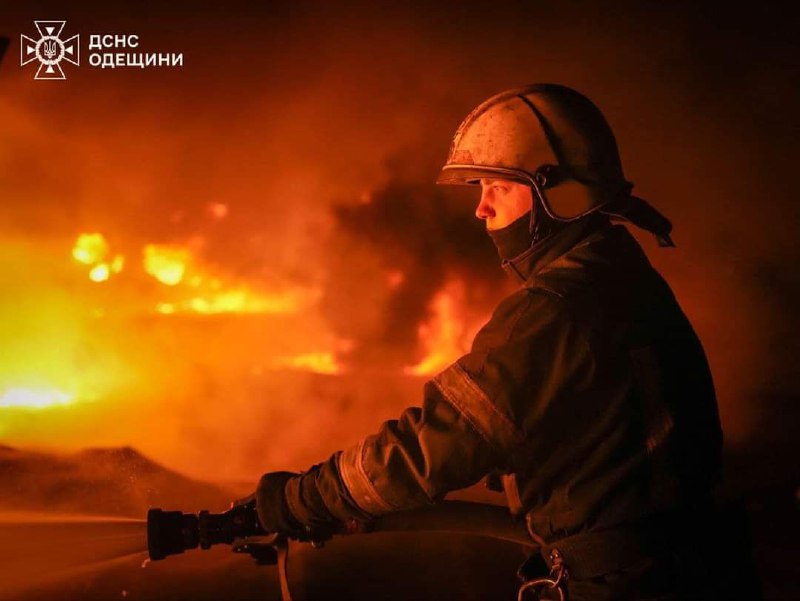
390	254
321	128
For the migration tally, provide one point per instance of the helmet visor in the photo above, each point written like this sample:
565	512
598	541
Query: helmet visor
470	175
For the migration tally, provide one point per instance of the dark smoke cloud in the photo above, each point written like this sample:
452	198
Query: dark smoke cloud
427	235
284	109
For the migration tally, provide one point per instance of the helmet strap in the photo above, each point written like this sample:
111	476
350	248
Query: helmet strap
541	225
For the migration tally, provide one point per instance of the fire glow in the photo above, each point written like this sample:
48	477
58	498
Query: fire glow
320	363
166	263
241	300
133	349
30	398
443	334
175	266
93	250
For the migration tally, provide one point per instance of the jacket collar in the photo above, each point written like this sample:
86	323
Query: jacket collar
525	266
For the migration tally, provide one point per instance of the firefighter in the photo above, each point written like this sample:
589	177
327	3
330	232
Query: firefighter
587	395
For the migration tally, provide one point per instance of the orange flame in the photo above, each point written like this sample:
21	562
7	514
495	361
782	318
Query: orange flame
240	300
443	335
92	250
175	266
166	262
321	363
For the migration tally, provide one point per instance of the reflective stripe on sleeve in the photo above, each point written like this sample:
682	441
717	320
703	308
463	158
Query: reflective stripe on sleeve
476	407
351	469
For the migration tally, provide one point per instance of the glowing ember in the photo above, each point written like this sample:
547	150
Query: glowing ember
99	272
166	262
35	398
321	363
90	249
442	335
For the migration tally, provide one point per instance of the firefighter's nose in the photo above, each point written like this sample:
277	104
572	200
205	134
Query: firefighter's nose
485	210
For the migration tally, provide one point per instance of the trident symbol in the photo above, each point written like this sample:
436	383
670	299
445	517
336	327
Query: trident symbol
50	49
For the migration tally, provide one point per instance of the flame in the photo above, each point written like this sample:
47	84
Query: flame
35	398
444	335
244	301
175	266
321	363
166	262
239	300
90	248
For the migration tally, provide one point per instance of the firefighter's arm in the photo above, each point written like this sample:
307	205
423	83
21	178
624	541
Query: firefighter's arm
451	442
470	422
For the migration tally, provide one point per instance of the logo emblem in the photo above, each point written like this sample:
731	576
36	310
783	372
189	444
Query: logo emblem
49	50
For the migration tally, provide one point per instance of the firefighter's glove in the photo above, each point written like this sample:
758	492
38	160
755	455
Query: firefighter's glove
273	510
275	515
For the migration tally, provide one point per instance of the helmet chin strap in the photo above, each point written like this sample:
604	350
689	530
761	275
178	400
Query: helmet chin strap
541	224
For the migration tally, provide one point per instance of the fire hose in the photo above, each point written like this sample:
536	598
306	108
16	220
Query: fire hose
172	532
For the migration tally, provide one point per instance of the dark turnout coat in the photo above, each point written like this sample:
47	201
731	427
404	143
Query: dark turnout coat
587	389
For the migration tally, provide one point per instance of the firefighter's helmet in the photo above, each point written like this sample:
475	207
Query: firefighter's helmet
555	140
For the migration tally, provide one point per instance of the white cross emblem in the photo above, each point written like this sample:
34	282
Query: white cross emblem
49	50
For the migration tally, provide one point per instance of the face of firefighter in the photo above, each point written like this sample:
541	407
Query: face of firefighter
502	202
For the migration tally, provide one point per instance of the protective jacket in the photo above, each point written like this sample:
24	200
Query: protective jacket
587	389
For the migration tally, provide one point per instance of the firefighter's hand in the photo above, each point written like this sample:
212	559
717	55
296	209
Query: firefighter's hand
244	518
273	511
248	501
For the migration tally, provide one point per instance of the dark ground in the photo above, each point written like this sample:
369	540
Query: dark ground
56	555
